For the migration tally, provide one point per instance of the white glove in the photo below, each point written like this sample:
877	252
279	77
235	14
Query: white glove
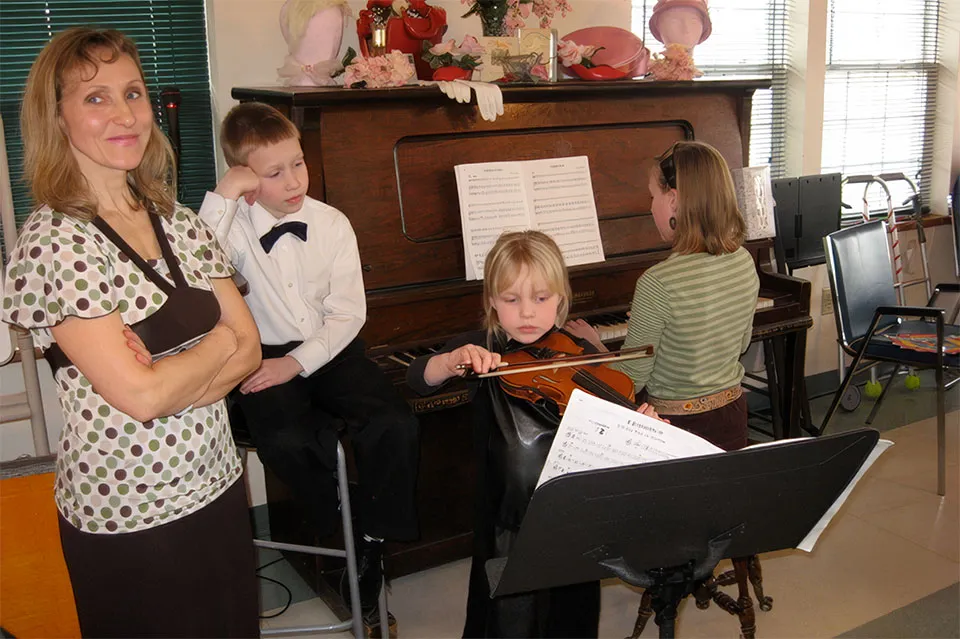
454	91
489	98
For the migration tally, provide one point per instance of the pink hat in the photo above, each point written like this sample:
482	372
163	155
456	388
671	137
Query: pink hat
663	5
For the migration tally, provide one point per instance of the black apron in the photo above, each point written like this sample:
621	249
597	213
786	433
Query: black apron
187	315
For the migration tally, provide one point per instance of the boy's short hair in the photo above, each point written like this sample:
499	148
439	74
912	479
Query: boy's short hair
514	250
252	125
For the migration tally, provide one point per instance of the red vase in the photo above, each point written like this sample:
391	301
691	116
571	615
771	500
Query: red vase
419	22
449	74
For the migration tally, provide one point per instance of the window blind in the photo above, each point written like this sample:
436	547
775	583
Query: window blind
749	38
879	97
172	40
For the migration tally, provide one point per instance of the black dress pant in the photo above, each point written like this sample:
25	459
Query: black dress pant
295	427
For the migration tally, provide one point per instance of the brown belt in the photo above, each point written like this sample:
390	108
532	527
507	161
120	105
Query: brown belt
697	404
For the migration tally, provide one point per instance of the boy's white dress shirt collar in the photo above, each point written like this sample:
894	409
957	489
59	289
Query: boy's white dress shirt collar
310	291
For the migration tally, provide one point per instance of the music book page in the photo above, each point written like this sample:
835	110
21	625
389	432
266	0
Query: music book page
553	195
595	433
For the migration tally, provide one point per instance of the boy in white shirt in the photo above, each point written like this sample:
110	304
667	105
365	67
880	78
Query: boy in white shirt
300	259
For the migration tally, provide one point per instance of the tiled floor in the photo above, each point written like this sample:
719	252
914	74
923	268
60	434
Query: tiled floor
894	542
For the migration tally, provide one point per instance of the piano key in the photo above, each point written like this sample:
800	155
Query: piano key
403	363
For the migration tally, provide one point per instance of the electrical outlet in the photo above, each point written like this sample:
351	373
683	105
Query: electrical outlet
826	302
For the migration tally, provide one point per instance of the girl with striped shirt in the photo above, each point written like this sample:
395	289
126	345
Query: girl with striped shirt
696	307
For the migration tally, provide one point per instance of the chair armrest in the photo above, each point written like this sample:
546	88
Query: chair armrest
945	287
912	311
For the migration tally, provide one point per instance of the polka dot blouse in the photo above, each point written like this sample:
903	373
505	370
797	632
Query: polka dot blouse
115	474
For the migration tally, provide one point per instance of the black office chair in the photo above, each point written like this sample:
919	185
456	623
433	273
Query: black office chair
867	314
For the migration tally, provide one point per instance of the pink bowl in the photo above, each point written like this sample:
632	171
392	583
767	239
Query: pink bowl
622	49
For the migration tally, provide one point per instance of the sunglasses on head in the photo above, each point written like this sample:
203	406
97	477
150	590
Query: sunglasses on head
669	168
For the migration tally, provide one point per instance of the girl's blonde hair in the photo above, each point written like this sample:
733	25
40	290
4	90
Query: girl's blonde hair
512	251
708	217
50	168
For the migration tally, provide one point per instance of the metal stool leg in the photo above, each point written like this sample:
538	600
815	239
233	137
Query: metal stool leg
349	543
349	553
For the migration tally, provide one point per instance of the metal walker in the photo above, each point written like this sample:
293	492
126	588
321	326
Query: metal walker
851	399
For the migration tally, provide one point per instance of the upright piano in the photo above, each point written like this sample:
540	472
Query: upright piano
386	157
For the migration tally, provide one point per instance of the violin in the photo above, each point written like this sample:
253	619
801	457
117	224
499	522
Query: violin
552	367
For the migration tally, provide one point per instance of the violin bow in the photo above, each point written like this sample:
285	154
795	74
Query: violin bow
636	352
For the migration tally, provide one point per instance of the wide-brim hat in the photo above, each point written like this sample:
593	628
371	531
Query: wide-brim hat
663	5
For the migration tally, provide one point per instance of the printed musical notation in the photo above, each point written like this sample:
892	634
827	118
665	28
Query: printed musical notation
554	196
598	434
595	433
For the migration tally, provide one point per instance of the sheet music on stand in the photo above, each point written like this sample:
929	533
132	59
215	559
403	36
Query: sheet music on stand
755	198
595	434
553	195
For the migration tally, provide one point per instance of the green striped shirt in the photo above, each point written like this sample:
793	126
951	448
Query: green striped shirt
697	312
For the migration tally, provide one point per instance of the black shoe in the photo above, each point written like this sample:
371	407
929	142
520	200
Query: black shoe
371	624
369	575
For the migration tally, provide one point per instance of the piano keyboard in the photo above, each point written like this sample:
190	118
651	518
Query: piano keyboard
613	326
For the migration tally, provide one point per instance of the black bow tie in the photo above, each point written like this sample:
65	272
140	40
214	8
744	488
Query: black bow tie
270	237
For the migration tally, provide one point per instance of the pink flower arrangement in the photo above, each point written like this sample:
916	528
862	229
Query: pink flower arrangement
448	54
675	63
391	70
571	53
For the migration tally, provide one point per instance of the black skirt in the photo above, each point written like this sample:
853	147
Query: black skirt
192	577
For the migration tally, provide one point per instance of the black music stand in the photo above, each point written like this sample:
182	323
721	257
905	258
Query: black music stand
666	525
807	210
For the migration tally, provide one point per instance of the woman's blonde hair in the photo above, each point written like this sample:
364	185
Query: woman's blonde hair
708	217
50	168
512	251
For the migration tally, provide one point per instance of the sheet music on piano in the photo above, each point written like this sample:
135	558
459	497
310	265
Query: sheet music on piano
553	195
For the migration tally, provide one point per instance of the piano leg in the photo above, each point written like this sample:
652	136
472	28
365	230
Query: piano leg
774	386
794	358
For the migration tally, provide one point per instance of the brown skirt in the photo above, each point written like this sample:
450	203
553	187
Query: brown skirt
725	427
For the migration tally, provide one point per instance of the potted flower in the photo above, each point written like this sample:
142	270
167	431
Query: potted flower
504	17
452	62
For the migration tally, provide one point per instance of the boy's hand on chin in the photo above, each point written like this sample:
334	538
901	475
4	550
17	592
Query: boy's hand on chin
272	372
239	181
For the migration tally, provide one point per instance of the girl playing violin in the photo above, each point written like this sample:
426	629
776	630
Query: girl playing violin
526	296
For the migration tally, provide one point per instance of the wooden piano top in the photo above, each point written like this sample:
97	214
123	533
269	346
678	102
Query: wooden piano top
385	158
325	96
